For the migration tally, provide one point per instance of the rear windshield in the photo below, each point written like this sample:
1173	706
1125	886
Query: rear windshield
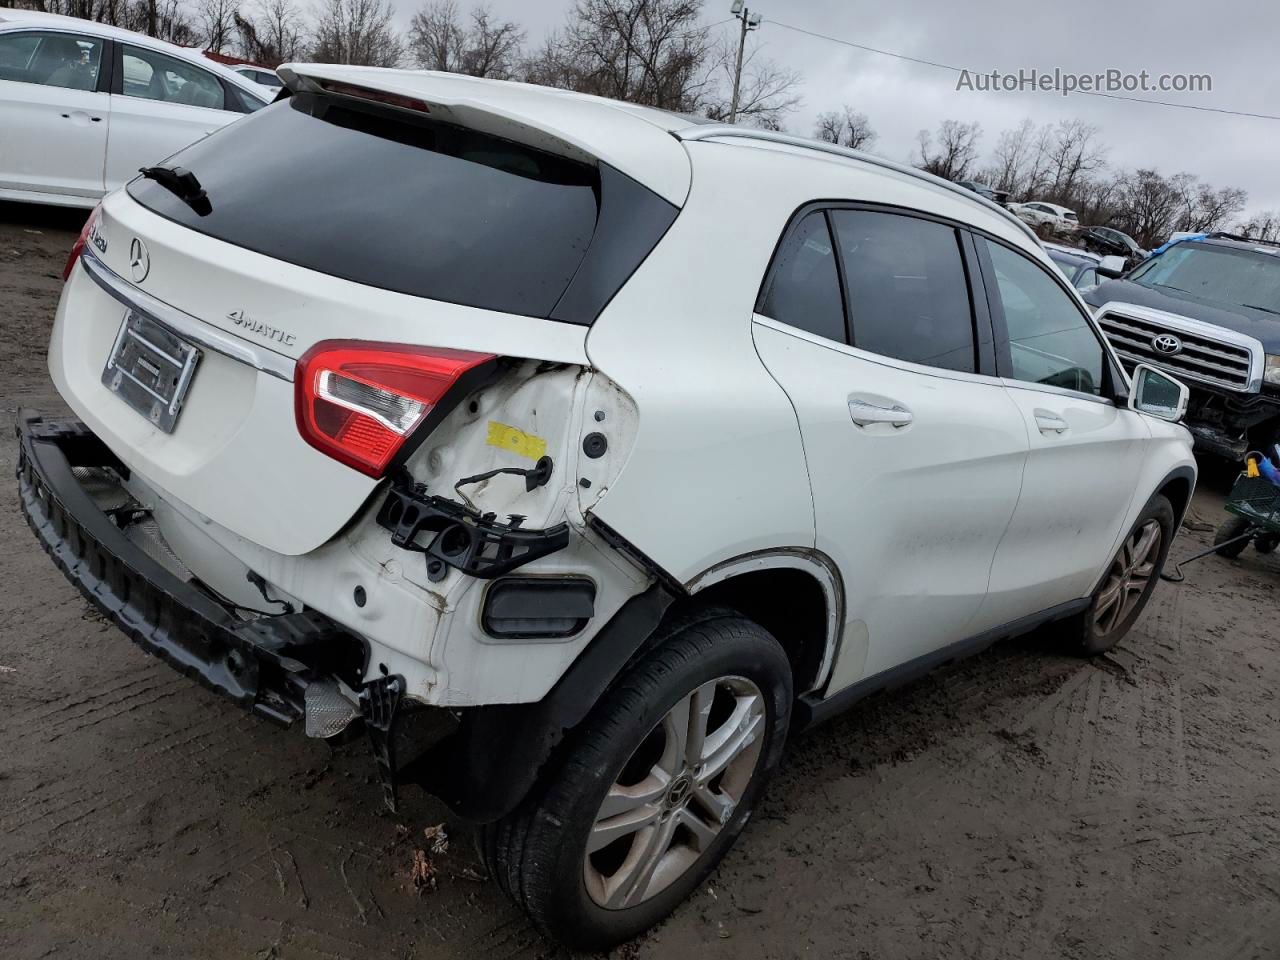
410	205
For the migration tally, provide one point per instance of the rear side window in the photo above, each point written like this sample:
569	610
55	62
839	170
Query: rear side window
155	76
402	203
908	294
804	287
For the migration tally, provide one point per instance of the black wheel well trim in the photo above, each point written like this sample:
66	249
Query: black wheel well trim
498	752
1183	474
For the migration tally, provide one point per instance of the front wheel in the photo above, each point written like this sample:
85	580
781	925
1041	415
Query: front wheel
1128	583
653	788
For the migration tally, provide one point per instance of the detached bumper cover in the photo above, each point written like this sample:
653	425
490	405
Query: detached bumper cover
264	665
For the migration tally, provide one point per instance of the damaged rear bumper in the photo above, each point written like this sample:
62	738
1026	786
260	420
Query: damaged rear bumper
265	665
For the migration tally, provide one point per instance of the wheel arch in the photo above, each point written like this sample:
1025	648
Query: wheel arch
1177	487
793	592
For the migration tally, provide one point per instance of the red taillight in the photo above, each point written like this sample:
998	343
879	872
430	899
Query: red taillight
80	242
358	401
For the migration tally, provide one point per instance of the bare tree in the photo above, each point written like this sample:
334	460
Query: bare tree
653	52
1203	207
956	152
1149	205
1261	226
486	47
358	32
1073	154
846	127
1015	157
436	37
216	21
493	46
766	93
273	34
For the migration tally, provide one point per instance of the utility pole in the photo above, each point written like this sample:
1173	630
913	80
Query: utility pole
750	21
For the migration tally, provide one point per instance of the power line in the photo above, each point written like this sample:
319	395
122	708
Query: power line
955	69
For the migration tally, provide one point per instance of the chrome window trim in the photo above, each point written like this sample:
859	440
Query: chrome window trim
186	326
1199	328
906	366
1014	384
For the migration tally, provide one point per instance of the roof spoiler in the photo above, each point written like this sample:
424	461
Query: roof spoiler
472	114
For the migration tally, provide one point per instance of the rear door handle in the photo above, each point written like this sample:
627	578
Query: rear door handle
864	414
1051	422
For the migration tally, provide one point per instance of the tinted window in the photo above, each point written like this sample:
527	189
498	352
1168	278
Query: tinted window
154	76
908	297
410	205
1046	338
51	59
804	289
240	101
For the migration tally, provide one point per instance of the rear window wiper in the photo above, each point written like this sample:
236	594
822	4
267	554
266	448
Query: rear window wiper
1254	306
183	184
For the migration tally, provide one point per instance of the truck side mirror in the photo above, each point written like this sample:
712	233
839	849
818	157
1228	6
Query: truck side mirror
1157	394
1111	267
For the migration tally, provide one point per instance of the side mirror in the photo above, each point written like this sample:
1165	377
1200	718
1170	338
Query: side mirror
1111	267
1158	394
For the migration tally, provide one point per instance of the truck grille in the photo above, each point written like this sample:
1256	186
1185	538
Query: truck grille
1202	357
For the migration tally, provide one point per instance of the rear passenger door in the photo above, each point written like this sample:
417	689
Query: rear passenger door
1086	451
915	450
160	104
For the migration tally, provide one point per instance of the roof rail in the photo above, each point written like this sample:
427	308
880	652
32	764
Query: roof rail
1223	235
715	131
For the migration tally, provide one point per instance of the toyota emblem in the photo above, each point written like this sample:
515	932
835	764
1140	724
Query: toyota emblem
139	260
1166	344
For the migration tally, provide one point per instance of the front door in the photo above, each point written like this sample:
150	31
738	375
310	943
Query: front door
53	119
1086	451
915	458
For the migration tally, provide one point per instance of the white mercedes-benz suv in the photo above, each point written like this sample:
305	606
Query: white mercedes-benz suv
577	454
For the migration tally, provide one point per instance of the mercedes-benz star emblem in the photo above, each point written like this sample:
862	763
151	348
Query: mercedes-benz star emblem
139	260
1167	344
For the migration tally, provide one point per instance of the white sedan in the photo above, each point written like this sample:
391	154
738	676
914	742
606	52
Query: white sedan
263	77
1038	212
83	105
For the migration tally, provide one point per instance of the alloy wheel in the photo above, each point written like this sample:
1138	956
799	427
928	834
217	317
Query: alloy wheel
1127	580
676	792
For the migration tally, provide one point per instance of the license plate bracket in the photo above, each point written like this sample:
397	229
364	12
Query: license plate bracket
150	368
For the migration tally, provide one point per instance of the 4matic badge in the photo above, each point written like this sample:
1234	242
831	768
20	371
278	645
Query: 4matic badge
266	331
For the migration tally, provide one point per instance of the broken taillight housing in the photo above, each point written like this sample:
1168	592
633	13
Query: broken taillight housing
81	240
358	402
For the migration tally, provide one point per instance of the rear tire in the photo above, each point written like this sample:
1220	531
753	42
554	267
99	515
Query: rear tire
657	807
1231	528
1127	585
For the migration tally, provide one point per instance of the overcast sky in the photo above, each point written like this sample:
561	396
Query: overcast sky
1234	41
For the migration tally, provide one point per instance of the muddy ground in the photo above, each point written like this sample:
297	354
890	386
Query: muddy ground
1020	805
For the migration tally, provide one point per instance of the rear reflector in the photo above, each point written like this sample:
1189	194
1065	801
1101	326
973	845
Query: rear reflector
81	240
358	401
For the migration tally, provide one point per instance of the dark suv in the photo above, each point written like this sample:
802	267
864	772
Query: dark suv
1207	309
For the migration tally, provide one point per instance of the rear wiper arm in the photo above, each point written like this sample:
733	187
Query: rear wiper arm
183	184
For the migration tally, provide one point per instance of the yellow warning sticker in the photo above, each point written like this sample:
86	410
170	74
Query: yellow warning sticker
516	440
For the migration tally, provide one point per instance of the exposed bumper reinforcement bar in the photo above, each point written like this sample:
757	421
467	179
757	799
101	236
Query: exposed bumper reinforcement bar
264	665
